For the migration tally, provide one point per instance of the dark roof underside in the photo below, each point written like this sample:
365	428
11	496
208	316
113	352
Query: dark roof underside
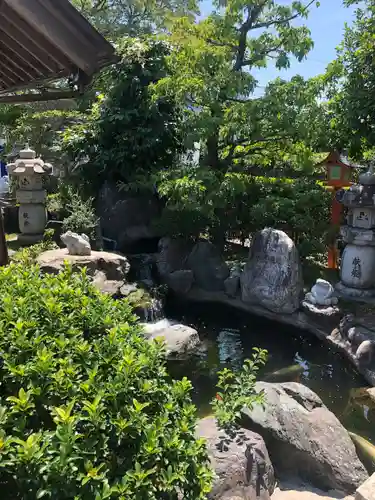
43	40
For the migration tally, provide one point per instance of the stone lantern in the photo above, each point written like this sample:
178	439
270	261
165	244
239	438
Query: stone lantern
357	271
30	194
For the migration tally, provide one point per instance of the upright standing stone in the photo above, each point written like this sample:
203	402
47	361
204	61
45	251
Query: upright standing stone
272	276
357	270
209	267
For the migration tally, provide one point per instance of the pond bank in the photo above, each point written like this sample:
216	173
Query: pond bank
326	330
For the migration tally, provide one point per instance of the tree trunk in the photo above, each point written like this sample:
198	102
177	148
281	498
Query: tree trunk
212	153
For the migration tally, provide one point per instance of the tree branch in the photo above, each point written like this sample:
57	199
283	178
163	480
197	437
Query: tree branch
281	21
221	44
261	55
252	15
247	142
99	6
249	25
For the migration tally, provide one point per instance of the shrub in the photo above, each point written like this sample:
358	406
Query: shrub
127	132
81	216
201	201
236	390
87	408
28	255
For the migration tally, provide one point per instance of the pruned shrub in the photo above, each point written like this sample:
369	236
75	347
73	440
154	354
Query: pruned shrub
87	410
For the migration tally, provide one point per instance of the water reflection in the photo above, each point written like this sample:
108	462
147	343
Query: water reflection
230	349
229	339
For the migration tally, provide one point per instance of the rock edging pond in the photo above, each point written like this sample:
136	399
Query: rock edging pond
269	285
299	319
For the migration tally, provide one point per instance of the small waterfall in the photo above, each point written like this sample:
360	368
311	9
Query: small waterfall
154	311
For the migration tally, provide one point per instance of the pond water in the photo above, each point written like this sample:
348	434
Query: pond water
229	337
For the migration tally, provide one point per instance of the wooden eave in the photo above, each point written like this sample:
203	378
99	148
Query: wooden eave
45	40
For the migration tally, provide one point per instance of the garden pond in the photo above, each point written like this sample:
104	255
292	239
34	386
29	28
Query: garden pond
229	337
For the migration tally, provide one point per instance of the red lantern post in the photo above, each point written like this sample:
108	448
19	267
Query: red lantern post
338	176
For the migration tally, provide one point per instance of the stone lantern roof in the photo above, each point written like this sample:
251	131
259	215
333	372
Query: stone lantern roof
27	163
362	194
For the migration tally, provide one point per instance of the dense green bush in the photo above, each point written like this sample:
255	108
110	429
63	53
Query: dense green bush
127	132
87	410
28	255
80	216
237	389
233	205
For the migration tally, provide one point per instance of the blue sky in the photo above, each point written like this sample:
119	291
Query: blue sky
327	26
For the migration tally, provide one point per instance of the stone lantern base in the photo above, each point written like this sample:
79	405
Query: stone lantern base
354	293
29	239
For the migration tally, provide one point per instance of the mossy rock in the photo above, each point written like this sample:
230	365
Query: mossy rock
140	299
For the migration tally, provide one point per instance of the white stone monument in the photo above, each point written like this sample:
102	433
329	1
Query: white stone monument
357	270
77	244
30	194
322	294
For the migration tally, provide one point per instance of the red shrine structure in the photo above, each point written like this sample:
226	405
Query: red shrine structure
339	173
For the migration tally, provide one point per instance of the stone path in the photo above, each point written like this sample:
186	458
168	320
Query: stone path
300	493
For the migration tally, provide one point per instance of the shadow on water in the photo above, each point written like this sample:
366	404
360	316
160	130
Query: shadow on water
229	337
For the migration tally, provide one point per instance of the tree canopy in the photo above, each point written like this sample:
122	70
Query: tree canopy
210	74
350	81
114	18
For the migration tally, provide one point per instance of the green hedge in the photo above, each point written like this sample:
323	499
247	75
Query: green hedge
200	201
87	408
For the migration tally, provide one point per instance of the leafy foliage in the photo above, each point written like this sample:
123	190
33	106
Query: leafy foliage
115	18
127	133
236	390
28	255
350	82
40	127
202	201
81	216
210	74
87	408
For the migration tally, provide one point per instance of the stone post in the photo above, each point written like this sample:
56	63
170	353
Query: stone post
357	270
30	194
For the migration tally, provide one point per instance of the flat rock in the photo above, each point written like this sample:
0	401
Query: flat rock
272	276
367	490
306	492
304	439
108	270
371	393
241	463
180	340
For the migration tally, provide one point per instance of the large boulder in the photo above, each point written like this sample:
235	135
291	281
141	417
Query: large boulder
241	463
172	256
126	218
180	340
180	281
304	439
209	268
108	270
272	276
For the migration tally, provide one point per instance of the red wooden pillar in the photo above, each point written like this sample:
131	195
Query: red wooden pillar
336	213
